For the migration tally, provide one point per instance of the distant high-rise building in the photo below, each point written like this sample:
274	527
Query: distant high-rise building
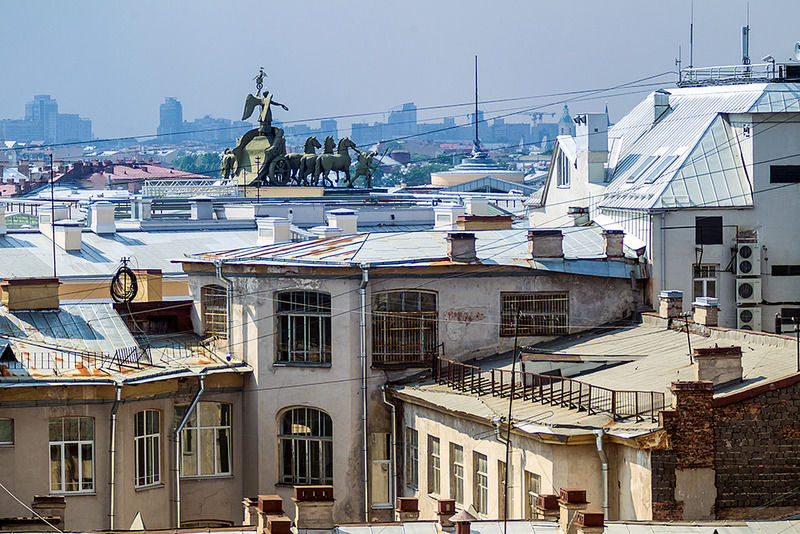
171	119
43	122
329	127
403	121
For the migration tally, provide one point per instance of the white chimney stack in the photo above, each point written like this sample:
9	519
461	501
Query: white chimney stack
273	230
445	216
344	219
102	217
68	234
202	209
477	206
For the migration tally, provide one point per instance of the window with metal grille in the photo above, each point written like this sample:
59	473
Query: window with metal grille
704	278
404	328
306	447
147	447
457	473
533	484
434	465
304	327
71	454
534	314
214	303
480	482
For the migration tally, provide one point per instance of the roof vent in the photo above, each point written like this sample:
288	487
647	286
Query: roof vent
68	235
719	365
202	209
272	230
580	215
660	104
461	246
103	217
545	244
445	216
344	219
613	243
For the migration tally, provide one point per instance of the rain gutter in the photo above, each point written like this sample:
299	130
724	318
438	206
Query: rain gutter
178	429
362	290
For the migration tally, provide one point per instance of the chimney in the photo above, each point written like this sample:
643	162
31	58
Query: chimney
670	303
47	216
102	217
719	365
612	244
2	217
484	222
324	232
462	520
68	235
407	509
706	311
141	208
51	507
273	230
591	139
580	215
545	244
202	209
250	506
461	246
444	217
268	507
313	507
150	282
344	219
280	524
477	206
570	502
589	522
660	104
547	507
445	509
30	293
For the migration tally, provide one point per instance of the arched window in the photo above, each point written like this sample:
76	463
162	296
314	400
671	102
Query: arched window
404	328
304	327
214	304
305	441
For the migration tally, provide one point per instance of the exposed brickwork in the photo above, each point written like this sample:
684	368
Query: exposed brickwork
662	466
667	511
690	427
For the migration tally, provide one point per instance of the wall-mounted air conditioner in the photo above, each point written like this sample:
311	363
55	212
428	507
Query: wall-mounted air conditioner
748	291
748	318
748	259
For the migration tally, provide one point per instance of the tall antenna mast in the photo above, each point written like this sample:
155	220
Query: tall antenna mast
53	215
746	39
476	101
691	37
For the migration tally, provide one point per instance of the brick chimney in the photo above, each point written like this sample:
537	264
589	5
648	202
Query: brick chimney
545	244
612	244
250	507
313	507
706	311
670	303
589	522
461	246
570	502
30	293
445	509
269	509
407	509
463	520
280	524
547	507
718	365
344	219
273	230
50	507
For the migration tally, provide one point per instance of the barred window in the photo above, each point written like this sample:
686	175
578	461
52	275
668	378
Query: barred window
534	314
213	300
404	328
304	327
306	447
147	447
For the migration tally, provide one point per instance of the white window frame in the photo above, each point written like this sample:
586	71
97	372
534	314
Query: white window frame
191	439
562	167
147	448
480	482
214	310
457	473
434	465
701	273
412	458
60	445
300	322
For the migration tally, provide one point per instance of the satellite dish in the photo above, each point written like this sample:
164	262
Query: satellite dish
797	50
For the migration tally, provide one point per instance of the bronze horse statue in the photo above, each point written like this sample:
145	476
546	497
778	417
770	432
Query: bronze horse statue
335	162
303	164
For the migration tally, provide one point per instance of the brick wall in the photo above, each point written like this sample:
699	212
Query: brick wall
662	465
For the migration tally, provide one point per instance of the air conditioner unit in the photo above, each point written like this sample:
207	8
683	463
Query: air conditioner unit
748	318
748	291
748	259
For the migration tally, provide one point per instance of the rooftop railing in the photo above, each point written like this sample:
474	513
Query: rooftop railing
551	390
727	74
213	187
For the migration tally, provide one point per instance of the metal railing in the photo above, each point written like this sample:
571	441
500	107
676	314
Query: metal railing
551	390
189	188
727	74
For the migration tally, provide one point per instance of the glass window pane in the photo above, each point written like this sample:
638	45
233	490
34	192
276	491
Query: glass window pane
55	467
56	429
138	424
140	461
71	466
209	413
156	459
287	474
87	428
6	431
206	447
189	446
86	467
225	414
223	451
70	428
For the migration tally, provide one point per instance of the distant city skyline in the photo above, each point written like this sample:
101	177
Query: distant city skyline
328	60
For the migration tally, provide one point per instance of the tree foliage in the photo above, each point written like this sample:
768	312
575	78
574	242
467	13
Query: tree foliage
207	163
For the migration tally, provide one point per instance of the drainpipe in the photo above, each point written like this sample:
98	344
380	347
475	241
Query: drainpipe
598	436
113	455
663	252
362	289
229	305
393	494
178	430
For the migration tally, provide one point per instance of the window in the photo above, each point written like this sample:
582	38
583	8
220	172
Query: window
71	454
304	327
206	440
563	170
501	491
457	473
705	280
534	314
480	482
786	270
213	300
404	328
380	450
6	431
784	174
434	466
412	458
790	316
306	447
147	447
708	230
532	488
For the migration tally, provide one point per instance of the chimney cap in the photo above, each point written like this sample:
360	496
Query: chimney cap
544	233
572	496
586	518
460	235
463	517
577	209
706	301
607	231
670	294
342	211
67	222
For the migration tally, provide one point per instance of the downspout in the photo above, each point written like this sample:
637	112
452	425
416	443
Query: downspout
112	456
663	252
362	290
178	430
393	493
229	305
598	435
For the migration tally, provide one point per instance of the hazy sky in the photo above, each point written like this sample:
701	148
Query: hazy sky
114	62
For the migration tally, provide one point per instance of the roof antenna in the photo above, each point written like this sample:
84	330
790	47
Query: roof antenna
746	39
477	141
691	38
678	63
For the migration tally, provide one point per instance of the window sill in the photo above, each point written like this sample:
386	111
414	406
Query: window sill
204	477
291	484
74	493
383	506
301	364
562	186
149	486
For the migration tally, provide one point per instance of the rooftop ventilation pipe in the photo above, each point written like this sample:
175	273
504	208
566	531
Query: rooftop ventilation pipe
362	330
